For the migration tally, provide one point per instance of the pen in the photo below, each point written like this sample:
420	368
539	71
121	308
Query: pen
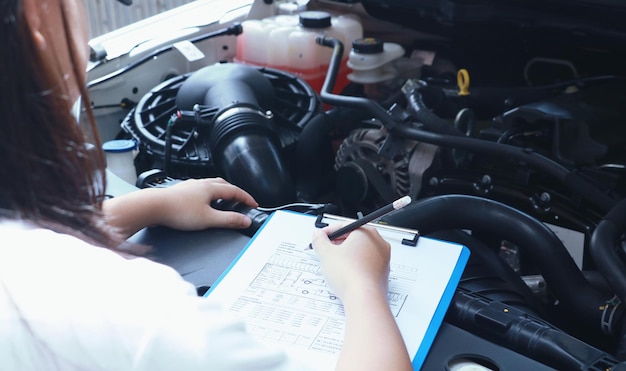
397	204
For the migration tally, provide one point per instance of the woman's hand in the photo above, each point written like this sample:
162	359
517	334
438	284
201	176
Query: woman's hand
356	267
183	206
188	205
359	259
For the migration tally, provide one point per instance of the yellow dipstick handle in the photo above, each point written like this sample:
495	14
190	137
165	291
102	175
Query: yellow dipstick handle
463	80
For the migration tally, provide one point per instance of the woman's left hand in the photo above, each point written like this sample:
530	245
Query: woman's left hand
183	206
188	205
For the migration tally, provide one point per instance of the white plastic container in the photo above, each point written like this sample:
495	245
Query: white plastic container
381	66
120	158
252	49
371	60
288	42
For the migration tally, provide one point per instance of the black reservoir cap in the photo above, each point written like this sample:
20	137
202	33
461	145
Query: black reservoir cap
367	45
315	19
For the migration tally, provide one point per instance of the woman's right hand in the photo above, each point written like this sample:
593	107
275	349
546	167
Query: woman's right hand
356	267
356	261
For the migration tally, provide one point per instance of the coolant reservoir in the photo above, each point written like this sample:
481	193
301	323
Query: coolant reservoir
287	42
371	60
380	67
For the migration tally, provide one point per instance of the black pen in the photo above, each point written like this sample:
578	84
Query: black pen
397	204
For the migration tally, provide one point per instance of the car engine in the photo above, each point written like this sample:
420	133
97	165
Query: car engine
504	122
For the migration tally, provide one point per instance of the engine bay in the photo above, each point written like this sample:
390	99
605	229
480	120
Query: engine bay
503	121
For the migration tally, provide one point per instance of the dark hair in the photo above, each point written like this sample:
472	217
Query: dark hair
48	174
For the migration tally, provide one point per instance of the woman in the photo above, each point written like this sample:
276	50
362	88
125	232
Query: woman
71	295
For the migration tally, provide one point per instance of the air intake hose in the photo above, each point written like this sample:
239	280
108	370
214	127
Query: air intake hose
606	250
241	138
605	244
488	217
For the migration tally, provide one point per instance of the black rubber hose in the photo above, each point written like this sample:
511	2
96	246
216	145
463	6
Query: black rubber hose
569	178
504	222
604	245
431	121
489	275
493	101
313	156
525	334
328	97
241	135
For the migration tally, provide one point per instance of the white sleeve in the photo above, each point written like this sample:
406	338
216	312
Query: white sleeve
77	307
187	332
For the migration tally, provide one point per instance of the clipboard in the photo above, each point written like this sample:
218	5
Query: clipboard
322	219
277	286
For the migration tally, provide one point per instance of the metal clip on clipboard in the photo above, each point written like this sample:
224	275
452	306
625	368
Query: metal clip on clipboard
319	223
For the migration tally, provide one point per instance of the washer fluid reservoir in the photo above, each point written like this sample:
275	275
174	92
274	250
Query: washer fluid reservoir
287	42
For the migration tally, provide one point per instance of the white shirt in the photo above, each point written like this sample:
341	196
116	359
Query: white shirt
68	305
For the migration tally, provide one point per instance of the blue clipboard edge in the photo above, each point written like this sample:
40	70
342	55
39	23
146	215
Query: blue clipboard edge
442	307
